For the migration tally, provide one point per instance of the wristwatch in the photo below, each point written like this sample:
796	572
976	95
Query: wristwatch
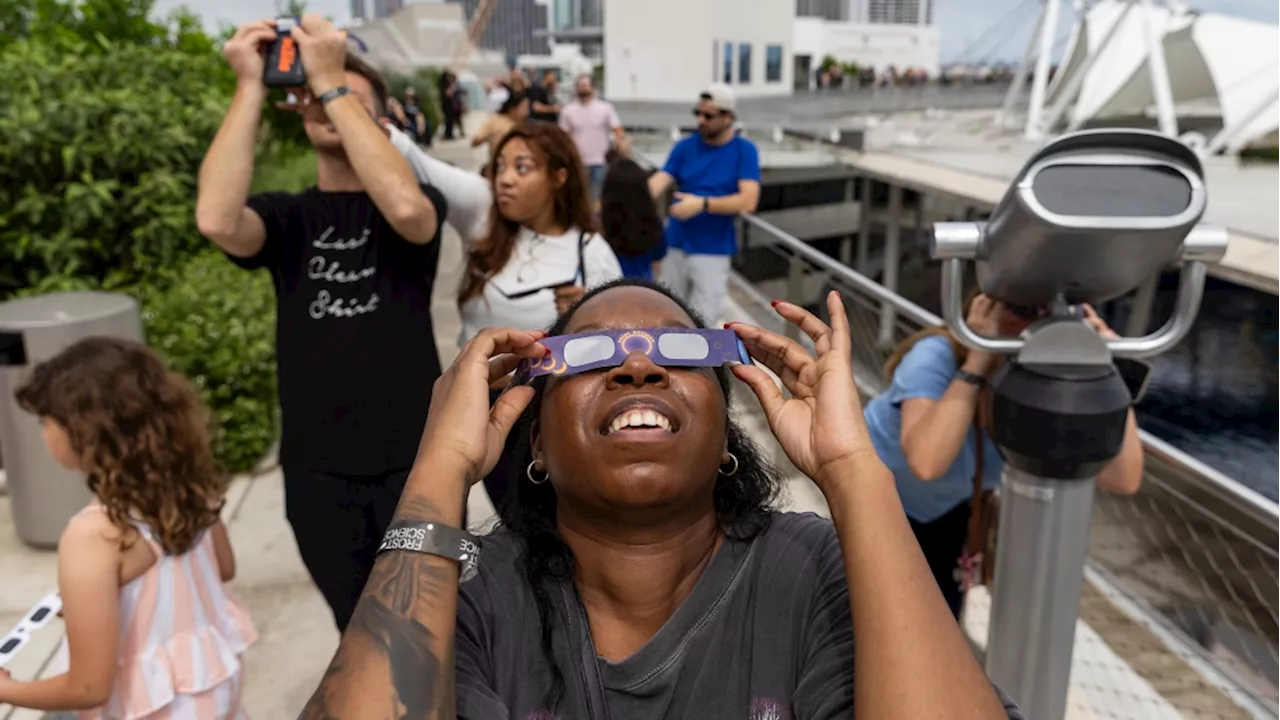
972	378
706	205
330	95
433	538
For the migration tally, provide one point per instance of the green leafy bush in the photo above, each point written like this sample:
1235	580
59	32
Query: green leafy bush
215	323
105	117
99	148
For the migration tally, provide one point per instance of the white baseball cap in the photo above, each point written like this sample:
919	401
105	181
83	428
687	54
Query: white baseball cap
721	96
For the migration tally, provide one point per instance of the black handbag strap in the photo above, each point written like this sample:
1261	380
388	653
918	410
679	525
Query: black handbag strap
582	263
597	706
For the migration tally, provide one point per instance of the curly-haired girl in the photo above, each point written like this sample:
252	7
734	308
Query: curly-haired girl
151	629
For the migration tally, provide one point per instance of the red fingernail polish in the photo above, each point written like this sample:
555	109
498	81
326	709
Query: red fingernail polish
547	353
775	303
728	325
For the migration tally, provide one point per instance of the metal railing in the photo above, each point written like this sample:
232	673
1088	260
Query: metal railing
1194	549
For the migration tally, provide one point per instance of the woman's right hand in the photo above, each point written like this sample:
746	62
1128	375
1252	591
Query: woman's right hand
984	319
461	427
984	315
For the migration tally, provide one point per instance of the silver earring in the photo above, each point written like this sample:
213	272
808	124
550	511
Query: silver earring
530	470
733	460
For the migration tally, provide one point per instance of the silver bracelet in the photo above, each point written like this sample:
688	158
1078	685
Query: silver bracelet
434	538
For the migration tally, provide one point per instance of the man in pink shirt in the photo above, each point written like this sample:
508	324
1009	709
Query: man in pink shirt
591	121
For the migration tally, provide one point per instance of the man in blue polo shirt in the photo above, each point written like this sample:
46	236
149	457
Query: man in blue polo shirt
717	176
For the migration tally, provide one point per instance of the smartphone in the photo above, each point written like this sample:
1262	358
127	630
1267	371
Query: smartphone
284	63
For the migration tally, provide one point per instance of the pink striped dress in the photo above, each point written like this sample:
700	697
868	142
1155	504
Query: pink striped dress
182	634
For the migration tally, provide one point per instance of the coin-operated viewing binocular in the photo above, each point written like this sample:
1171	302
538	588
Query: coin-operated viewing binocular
1091	216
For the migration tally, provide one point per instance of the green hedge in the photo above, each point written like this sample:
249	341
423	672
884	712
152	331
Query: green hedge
105	117
216	324
99	148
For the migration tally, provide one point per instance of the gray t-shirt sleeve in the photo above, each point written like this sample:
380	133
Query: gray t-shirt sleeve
824	688
477	699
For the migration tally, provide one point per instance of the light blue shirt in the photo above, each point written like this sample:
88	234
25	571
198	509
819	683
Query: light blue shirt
925	372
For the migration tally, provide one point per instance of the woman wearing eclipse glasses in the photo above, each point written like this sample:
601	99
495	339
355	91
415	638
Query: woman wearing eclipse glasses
643	570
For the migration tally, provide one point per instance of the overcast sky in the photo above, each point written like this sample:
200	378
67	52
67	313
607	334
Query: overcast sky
966	26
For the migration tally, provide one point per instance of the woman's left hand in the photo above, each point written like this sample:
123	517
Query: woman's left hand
820	426
1098	324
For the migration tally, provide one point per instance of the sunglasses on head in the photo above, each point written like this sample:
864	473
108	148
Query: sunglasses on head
583	352
39	616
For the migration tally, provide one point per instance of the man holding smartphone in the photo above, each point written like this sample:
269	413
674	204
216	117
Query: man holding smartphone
354	261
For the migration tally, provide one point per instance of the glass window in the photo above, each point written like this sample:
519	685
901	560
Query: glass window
728	63
715	57
744	63
773	63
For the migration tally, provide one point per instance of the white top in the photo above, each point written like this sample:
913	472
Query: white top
467	193
497	97
538	261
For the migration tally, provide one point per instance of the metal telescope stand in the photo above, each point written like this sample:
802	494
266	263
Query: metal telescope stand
1059	411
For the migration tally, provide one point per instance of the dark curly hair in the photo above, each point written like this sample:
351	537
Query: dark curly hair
744	501
628	216
139	432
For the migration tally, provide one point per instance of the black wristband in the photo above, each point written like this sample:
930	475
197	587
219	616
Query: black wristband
329	96
706	205
973	379
435	538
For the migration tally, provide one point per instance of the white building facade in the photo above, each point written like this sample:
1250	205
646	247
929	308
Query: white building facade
670	50
867	44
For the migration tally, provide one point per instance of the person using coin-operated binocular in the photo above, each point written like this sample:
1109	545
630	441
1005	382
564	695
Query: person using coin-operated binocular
1089	218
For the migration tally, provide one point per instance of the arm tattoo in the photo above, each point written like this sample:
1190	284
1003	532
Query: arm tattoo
400	618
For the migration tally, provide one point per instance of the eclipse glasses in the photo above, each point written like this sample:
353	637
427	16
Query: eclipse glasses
37	617
583	352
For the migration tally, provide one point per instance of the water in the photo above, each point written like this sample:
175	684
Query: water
1214	396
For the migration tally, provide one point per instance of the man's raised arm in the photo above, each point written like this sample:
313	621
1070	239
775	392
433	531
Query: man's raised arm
381	168
227	171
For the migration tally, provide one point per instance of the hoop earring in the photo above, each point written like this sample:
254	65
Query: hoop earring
733	460
529	474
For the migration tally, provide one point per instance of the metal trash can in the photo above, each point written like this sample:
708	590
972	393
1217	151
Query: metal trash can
43	495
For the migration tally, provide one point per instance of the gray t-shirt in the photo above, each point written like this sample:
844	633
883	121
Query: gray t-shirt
765	635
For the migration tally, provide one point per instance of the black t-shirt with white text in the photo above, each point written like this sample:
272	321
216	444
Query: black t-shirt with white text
356	352
765	634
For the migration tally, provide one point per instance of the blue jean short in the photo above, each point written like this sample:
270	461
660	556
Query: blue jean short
595	180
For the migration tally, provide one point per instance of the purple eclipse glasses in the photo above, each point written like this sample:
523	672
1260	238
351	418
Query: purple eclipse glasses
583	352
